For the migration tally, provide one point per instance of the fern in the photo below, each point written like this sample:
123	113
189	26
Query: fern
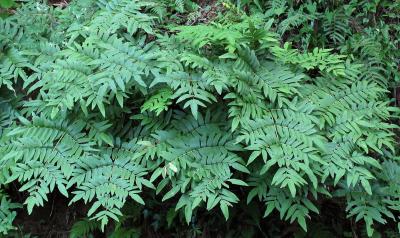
40	154
83	228
7	214
294	19
111	180
158	102
336	27
124	14
318	58
71	81
13	66
198	162
110	102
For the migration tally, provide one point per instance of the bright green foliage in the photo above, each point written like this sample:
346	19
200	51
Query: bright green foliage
115	15
158	102
318	58
7	214
105	102
199	162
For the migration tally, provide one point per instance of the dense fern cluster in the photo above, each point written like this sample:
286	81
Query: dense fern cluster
109	102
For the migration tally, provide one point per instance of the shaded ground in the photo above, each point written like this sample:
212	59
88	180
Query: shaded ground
55	219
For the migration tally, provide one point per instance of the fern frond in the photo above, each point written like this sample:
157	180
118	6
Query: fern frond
199	160
13	65
336	26
7	214
112	178
318	58
83	228
40	154
159	102
10	33
190	89
123	14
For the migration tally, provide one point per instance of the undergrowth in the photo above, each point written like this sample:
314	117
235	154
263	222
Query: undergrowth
183	110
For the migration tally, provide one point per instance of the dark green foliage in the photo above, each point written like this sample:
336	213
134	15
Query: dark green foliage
281	104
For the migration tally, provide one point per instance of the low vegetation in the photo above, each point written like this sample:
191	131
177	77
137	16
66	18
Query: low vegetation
179	118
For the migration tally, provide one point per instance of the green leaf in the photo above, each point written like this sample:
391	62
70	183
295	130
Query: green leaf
302	222
171	214
171	193
94	207
238	182
137	198
62	189
270	208
253	156
188	213
240	168
107	138
7	3
292	188
366	186
224	208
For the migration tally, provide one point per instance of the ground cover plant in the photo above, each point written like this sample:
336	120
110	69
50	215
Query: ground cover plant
180	118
